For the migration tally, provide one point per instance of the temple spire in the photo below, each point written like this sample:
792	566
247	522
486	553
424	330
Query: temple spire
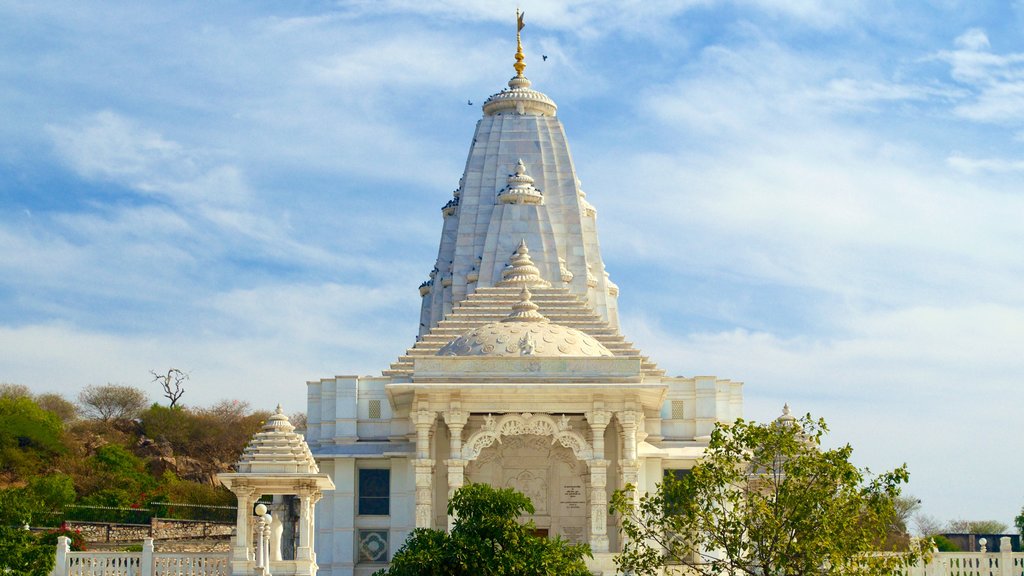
519	65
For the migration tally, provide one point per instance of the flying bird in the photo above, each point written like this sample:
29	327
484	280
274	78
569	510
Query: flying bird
469	102
545	57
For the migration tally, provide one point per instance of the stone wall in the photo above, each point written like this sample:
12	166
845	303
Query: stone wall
160	529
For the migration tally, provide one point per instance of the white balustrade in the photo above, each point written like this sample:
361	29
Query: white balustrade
150	563
145	563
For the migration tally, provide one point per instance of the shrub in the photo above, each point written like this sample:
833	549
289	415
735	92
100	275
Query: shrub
77	540
944	544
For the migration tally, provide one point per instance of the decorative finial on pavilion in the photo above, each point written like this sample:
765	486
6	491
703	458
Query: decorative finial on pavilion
519	65
525	310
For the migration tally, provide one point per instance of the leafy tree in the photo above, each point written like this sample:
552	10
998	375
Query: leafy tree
12	391
29	436
976	527
112	402
118	478
487	540
21	551
53	402
1019	521
766	499
171	383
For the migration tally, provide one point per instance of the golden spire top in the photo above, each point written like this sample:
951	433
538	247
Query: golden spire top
519	65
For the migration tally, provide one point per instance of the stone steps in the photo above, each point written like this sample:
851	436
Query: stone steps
492	304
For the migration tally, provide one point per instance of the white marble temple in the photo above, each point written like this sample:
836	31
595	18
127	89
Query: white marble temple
519	375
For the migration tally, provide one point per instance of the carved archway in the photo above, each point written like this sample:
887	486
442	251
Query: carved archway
526	423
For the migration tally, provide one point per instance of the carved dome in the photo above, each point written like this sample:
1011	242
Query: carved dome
277	449
525	332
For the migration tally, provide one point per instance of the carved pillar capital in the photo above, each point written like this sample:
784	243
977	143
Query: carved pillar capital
424	418
456	420
631	422
455	417
598	418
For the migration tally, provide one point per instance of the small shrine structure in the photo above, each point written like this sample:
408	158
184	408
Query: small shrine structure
276	462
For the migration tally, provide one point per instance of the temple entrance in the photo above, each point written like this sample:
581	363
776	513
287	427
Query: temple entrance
549	474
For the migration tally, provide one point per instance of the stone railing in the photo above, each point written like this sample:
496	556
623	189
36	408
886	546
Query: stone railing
145	563
983	563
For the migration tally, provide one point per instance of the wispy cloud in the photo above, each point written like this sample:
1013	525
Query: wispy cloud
996	80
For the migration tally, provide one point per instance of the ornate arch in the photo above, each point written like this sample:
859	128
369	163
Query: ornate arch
526	423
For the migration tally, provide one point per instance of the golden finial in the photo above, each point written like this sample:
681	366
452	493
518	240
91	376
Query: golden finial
519	65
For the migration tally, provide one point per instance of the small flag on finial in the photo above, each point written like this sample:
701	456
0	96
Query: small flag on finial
519	20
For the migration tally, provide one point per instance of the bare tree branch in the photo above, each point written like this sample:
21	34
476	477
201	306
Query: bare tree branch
171	384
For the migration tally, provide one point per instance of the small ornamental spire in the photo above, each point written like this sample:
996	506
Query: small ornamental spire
525	310
519	65
521	271
787	418
520	188
278	421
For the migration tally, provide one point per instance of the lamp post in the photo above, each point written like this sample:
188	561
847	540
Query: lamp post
262	530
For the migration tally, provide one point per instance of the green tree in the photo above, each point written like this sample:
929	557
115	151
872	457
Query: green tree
112	402
29	436
21	551
118	478
1019	522
766	499
487	539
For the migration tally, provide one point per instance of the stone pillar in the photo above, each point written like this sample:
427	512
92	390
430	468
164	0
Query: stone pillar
1005	557
629	467
243	534
304	550
456	420
146	560
598	420
599	505
314	498
63	548
424	468
276	531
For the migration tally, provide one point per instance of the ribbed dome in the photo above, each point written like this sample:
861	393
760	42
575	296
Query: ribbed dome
525	332
277	449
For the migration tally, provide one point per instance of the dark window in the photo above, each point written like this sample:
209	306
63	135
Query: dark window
374	492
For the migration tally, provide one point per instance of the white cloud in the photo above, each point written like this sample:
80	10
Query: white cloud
974	165
110	147
974	39
997	80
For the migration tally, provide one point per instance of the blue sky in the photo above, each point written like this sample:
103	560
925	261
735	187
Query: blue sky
822	201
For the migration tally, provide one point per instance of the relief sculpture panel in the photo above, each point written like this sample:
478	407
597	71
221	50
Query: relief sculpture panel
549	474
